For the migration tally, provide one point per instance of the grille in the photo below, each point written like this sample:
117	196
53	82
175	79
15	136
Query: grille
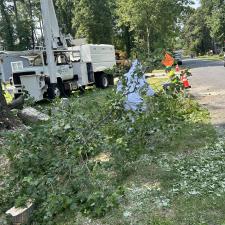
16	76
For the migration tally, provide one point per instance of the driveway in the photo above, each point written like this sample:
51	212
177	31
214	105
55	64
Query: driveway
208	86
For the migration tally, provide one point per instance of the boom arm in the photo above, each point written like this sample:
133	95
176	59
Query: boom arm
52	36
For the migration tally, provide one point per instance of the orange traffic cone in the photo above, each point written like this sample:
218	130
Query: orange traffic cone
185	81
177	68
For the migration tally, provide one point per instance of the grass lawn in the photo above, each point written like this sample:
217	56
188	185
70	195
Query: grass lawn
158	71
178	180
157	83
212	58
164	184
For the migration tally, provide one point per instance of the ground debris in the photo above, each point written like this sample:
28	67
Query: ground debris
31	115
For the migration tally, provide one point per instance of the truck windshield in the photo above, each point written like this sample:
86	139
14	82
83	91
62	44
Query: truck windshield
38	61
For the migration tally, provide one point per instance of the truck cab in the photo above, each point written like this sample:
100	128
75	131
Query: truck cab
178	57
64	67
35	79
75	68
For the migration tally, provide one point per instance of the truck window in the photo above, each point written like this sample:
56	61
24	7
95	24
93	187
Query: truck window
75	56
61	59
38	61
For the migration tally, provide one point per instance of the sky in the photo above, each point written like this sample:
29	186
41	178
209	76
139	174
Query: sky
197	3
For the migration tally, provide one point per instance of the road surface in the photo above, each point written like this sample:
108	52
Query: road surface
208	86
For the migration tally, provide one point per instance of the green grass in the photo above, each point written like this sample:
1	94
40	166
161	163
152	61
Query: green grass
157	83
159	71
150	197
212	58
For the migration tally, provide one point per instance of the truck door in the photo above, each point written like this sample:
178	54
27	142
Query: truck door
64	68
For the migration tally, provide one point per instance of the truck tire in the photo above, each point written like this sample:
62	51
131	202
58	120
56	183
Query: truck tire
53	91
67	93
102	80
82	89
63	92
16	96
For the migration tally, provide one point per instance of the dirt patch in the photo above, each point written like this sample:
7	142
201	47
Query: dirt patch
9	122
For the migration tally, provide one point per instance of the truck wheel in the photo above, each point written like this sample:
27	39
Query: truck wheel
102	81
62	90
53	91
82	89
16	96
67	93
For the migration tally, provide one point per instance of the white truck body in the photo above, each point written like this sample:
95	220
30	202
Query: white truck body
178	55
101	56
32	80
86	63
34	85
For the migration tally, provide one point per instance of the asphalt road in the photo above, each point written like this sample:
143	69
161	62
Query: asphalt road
208	86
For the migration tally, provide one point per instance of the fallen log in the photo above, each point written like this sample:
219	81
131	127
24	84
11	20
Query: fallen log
17	103
31	115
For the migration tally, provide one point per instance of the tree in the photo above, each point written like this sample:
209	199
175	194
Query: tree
64	10
205	27
18	19
93	20
153	23
129	24
196	33
215	16
6	26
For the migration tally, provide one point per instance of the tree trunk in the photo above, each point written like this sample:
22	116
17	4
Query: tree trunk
128	41
8	28
17	20
32	24
16	10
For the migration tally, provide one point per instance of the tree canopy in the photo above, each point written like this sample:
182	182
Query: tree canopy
205	28
128	24
143	25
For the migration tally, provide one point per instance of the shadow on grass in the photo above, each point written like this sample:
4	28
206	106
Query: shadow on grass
152	184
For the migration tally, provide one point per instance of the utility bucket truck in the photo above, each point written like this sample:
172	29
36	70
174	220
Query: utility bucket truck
60	68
